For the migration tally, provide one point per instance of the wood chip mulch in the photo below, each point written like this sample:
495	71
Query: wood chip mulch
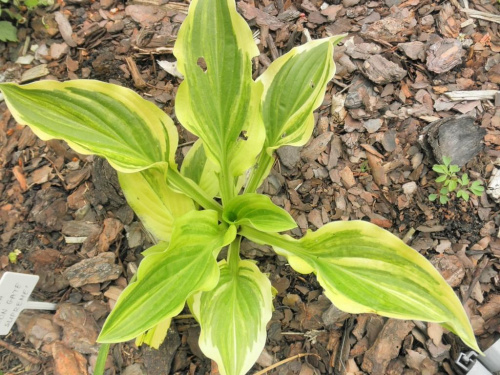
388	116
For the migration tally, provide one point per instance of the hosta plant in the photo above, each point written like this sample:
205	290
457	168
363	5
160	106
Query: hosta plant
211	202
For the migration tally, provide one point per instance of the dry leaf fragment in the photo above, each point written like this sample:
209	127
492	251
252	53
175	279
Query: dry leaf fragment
435	332
65	29
19	175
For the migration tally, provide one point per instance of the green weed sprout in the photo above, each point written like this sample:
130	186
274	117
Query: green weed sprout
449	182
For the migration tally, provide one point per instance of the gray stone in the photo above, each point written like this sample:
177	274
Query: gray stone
135	369
360	88
372	125
41	329
58	50
350	3
115	27
444	55
494	185
333	315
159	361
106	4
456	137
289	156
410	187
93	270
318	145
381	71
492	61
427	20
414	50
80	330
389	140
363	51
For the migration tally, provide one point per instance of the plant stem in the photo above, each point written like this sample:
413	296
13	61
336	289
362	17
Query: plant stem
100	365
226	184
20	353
297	356
272	239
264	165
192	190
234	255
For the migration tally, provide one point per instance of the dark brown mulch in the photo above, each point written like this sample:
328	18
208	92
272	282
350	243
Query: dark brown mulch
368	160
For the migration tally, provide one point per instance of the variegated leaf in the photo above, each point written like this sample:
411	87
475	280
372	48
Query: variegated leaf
294	86
155	336
259	212
156	204
197	167
165	279
365	269
96	118
233	317
218	100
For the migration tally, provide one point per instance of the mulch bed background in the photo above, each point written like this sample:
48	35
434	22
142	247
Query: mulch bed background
370	158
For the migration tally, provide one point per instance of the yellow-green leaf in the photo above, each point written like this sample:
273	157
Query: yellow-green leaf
233	317
197	167
155	336
365	269
218	100
165	279
259	212
294	86
156	204
96	118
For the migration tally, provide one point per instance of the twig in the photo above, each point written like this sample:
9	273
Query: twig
408	235
345	347
179	7
345	88
307	35
300	355
183	316
482	15
136	75
338	83
58	173
155	73
472	95
272	47
157	50
20	353
186	144
477	274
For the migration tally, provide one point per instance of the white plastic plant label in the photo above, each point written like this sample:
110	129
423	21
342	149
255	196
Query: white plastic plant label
15	290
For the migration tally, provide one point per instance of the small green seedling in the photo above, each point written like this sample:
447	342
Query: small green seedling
13	255
451	182
211	201
364	166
